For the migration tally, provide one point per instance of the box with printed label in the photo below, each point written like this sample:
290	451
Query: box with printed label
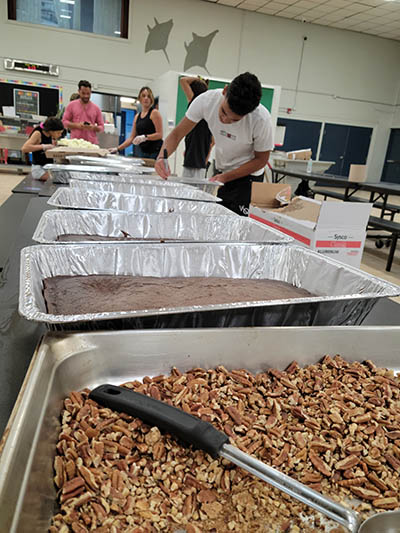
337	229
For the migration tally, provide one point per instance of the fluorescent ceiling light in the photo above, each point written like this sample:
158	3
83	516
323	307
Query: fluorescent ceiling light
117	33
65	17
72	2
127	100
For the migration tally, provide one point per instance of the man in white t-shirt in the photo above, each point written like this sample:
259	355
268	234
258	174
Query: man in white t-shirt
242	130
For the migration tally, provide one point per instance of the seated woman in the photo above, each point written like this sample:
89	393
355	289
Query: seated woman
42	138
147	129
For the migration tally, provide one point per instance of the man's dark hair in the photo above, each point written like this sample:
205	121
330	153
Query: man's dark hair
244	94
53	124
84	83
199	86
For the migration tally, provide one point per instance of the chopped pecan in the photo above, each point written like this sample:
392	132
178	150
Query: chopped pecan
365	494
347	462
319	464
386	503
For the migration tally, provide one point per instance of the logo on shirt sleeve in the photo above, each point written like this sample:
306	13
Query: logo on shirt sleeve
228	135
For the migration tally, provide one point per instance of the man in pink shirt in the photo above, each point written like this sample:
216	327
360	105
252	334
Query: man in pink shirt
82	116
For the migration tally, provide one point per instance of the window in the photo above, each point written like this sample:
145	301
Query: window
104	17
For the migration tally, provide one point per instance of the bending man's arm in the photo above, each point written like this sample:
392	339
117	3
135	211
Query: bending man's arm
170	144
259	161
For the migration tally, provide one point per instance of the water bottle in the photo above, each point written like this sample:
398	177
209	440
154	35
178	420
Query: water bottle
309	166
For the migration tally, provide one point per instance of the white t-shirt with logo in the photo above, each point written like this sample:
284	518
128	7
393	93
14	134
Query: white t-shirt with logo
235	143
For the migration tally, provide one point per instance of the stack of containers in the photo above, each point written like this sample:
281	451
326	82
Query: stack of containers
191	235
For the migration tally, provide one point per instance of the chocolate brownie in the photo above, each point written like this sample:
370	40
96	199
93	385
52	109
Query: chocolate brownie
72	295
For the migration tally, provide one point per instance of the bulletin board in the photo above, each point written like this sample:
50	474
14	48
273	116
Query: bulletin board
26	102
49	96
181	104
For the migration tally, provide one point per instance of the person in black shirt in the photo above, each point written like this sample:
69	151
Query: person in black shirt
42	138
147	129
199	141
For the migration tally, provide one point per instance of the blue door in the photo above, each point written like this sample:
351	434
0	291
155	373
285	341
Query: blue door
391	169
333	148
346	145
300	134
129	116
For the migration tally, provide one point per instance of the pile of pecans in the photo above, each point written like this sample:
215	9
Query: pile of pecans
334	426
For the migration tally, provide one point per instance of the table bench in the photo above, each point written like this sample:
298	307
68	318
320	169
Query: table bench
390	226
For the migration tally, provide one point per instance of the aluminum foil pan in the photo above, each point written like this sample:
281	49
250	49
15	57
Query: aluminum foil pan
69	362
210	187
344	295
106	161
115	158
184	192
123	177
74	199
62	173
153	226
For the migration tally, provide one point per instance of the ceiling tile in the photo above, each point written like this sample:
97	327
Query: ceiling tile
304	4
272	8
233	3
258	3
371	2
391	6
375	17
336	15
338	3
248	5
287	2
293	10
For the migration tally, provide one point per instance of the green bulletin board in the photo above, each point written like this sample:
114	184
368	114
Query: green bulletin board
181	104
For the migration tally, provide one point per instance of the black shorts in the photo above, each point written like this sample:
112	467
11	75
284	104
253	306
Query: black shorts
236	194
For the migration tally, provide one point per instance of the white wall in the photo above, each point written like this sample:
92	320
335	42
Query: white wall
346	77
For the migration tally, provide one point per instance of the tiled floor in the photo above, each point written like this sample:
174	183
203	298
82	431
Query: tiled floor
374	260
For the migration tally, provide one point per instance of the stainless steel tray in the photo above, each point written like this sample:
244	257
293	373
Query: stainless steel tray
155	226
63	363
184	192
116	201
344	295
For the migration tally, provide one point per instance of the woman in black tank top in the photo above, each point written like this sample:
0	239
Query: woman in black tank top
147	128
40	140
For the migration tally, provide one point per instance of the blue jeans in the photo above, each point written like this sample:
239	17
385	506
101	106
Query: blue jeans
138	152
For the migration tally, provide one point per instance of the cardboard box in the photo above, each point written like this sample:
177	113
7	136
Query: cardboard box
304	154
337	229
270	195
358	173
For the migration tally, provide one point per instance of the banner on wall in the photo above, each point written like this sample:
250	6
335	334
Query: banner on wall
26	102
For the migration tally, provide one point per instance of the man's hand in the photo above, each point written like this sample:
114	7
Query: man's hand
113	150
162	168
218	177
46	147
139	139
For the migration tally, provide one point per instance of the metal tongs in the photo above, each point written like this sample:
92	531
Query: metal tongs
202	435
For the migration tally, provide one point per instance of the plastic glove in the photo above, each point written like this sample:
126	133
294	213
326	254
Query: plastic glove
139	139
113	150
46	147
